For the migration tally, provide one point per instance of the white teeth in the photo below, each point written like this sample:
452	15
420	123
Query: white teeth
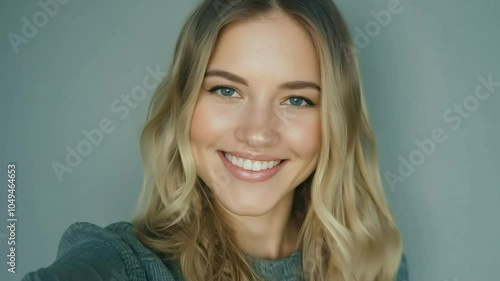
264	165
249	164
256	166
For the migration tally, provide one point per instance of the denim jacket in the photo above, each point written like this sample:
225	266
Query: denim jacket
88	252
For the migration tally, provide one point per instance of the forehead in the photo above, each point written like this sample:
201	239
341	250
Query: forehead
273	46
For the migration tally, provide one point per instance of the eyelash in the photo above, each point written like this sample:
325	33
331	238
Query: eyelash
308	101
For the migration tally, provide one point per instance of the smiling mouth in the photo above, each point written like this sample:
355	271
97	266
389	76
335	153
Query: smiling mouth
250	165
251	170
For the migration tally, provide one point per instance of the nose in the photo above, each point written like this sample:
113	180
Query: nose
259	126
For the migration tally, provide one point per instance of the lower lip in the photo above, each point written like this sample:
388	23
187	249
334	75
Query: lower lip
251	176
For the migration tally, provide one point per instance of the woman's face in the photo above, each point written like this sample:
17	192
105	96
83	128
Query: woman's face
259	104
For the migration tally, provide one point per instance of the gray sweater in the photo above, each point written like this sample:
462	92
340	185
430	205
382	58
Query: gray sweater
88	252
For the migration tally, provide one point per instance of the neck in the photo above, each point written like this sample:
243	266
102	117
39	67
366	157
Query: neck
272	236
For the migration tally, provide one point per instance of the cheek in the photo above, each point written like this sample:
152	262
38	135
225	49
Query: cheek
208	129
202	124
305	136
199	134
209	122
198	128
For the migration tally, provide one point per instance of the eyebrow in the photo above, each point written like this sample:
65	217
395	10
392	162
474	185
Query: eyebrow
292	85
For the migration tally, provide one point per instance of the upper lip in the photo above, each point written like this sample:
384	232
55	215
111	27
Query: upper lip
255	157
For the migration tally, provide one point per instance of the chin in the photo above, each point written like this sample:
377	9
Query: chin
248	205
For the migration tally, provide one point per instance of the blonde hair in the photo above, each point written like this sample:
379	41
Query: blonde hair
347	231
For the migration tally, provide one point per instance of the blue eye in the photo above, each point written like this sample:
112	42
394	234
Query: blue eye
224	91
300	101
295	101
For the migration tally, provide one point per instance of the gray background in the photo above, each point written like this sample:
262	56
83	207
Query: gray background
426	59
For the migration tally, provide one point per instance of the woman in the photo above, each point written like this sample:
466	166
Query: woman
259	160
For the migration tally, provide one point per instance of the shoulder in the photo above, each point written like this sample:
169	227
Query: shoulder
89	252
116	237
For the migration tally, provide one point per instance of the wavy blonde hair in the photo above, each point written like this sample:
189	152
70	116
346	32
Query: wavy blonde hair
347	230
